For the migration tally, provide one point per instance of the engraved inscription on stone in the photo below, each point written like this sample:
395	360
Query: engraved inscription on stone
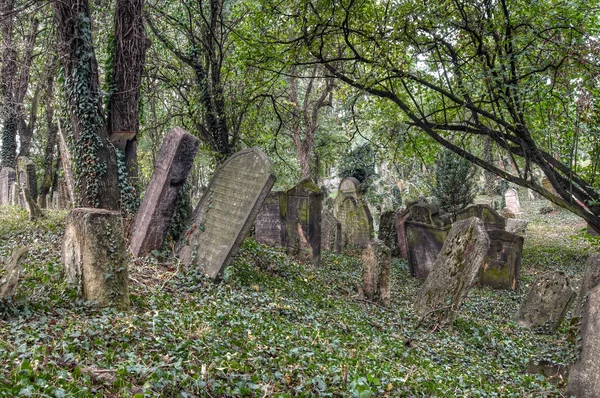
268	226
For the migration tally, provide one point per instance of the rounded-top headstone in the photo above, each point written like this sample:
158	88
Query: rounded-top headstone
350	186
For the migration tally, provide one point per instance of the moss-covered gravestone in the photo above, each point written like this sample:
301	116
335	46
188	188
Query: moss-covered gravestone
376	260
454	272
153	219
387	232
502	263
331	232
354	215
226	211
7	176
26	178
95	257
547	302
269	225
302	215
485	213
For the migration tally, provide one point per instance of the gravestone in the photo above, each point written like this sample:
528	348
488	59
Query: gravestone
153	219
387	232
14	193
491	219
350	186
547	302
376	260
226	211
401	218
95	258
354	215
302	214
502	262
269	225
10	279
33	210
584	375
511	198
7	176
516	226
331	232
591	279
26	177
454	272
423	242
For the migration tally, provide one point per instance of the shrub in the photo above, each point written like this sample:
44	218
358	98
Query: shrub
455	185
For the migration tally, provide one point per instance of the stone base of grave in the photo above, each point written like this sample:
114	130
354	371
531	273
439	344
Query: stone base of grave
95	258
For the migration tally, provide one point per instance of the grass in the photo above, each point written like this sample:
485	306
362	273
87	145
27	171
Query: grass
275	329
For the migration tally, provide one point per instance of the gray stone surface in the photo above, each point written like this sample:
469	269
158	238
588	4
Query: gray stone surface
491	219
354	215
591	279
511	198
331	232
423	243
27	178
350	186
502	262
584	375
547	302
226	211
454	272
14	193
153	219
401	218
95	257
269	225
387	232
10	278
33	210
376	260
517	226
7	176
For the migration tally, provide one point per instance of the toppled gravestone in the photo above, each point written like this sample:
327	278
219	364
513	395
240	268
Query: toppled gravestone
331	232
353	213
591	279
302	214
584	375
376	260
10	279
269	225
502	262
547	302
95	258
453	273
491	219
226	211
7	176
387	232
517	226
153	219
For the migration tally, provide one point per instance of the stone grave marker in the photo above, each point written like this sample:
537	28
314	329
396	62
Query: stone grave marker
454	272
547	302
302	214
376	260
350	186
485	213
10	280
511	198
517	226
584	375
502	262
26	177
387	232
401	218
423	242
591	279
153	219
354	215
269	225
7	176
95	258
226	211
331	232
14	193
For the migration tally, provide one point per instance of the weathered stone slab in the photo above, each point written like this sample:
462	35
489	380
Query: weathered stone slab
591	279
10	279
401	218
485	213
14	193
584	375
95	258
423	243
387	232
269	225
517	226
454	272
7	176
511	198
27	178
226	211
153	219
354	215
547	302
376	259
331	232
33	210
302	214
350	186
502	262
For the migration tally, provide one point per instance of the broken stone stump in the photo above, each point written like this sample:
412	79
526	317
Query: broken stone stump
401	218
516	226
153	219
376	260
591	279
331	232
502	263
95	258
490	217
423	243
10	279
226	211
7	176
302	214
387	232
454	272
27	178
269	226
584	375
547	302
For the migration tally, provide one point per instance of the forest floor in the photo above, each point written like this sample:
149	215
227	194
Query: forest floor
290	330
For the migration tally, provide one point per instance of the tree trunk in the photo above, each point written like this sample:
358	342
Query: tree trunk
51	130
7	85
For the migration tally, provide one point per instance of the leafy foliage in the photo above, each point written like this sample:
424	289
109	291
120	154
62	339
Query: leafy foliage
455	185
359	163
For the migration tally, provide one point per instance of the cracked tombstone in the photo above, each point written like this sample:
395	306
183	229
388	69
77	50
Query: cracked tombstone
331	232
546	303
354	215
7	176
26	178
153	219
95	257
388	233
454	272
269	227
502	263
10	279
376	260
226	212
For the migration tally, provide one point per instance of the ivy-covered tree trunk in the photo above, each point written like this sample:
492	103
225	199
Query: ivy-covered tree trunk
94	154
51	131
7	85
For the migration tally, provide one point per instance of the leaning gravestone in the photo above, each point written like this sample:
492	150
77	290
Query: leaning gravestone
153	219
387	232
7	176
547	302
502	262
591	279
454	272
331	232
516	226
354	215
269	225
376	259
226	211
26	177
584	375
485	213
302	214
95	258
511	198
